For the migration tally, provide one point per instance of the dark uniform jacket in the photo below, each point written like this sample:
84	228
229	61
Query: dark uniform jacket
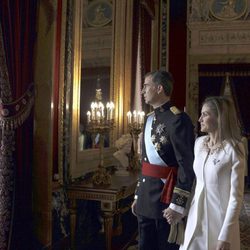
172	134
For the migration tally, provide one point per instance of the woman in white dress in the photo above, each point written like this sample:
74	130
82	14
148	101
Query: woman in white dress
213	218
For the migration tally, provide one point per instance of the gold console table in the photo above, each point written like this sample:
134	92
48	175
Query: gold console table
120	188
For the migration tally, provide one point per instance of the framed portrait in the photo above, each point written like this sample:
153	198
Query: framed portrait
99	13
228	9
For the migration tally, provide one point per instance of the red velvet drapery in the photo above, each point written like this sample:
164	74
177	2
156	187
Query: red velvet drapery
17	20
177	49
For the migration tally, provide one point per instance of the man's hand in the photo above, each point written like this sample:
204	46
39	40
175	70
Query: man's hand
172	216
223	245
133	208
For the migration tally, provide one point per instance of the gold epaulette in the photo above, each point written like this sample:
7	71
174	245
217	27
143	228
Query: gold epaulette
175	110
150	113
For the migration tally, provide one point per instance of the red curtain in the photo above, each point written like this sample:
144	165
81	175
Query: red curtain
18	21
177	49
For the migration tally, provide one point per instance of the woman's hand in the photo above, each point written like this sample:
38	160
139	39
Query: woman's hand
223	245
133	208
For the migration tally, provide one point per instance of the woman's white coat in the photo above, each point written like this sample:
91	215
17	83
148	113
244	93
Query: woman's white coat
215	208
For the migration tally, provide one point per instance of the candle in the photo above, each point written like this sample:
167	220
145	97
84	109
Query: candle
101	108
95	109
141	117
92	106
112	106
134	116
129	115
98	114
108	110
88	117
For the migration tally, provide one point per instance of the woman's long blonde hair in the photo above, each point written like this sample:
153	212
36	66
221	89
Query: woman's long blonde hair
228	123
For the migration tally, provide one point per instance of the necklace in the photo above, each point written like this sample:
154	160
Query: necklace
211	149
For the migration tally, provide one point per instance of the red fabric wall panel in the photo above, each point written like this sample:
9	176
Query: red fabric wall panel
177	50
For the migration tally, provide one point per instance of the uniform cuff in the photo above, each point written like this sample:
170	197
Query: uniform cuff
177	208
180	197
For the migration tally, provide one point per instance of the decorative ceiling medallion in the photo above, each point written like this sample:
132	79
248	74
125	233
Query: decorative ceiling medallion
99	13
228	10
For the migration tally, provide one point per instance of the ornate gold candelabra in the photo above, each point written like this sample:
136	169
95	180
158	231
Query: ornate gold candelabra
100	121
135	125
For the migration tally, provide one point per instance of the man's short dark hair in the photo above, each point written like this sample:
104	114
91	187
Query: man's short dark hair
164	78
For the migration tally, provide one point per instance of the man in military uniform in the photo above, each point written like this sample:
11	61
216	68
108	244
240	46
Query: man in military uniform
167	165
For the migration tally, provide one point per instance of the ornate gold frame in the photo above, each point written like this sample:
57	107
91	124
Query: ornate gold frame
75	163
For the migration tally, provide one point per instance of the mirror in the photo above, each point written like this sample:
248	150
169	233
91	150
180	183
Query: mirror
102	54
95	64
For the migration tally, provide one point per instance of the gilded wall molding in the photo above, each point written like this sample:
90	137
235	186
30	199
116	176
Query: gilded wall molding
122	59
214	38
65	96
224	37
214	10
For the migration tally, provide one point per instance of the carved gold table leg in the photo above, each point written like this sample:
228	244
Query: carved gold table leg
72	207
108	228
